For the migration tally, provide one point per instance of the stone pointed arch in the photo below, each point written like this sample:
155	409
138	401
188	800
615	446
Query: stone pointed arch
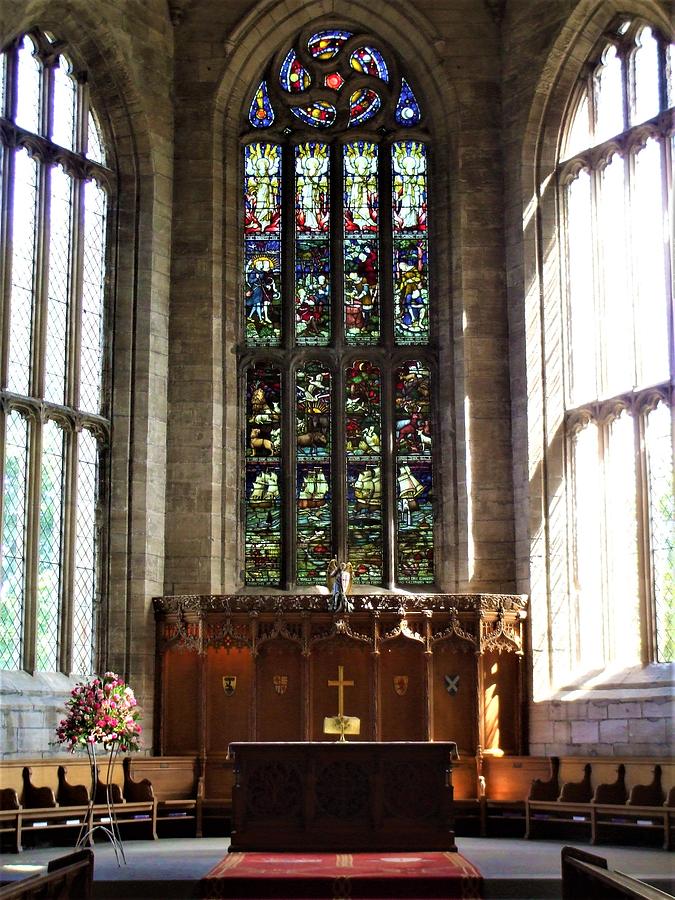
140	238
249	47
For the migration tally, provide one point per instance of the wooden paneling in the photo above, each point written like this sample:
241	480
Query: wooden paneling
454	714
279	709
355	657
227	718
181	681
402	715
501	701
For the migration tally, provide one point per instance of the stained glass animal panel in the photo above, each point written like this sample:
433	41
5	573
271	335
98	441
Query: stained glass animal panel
313	419
412	412
263	475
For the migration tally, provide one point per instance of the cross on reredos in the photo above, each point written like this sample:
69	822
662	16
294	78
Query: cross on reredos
341	684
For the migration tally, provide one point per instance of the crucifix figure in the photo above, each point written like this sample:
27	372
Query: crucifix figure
341	720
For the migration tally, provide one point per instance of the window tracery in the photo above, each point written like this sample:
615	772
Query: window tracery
53	415
338	364
616	189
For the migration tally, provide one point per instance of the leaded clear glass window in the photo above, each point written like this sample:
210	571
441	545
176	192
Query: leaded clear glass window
615	179
337	362
54	415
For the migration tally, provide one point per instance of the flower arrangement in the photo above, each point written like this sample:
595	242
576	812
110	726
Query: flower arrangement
101	711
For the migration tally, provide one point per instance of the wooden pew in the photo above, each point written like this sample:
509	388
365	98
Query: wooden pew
68	877
623	807
508	781
586	875
36	784
175	782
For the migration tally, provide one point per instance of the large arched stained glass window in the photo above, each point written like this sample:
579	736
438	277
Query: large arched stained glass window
338	368
54	420
615	176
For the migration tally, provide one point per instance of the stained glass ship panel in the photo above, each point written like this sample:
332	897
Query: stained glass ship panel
364	487
361	267
312	249
413	445
262	245
263	477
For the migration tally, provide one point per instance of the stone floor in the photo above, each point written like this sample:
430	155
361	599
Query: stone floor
170	868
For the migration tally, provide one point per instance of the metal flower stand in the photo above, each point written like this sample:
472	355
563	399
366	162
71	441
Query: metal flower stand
107	825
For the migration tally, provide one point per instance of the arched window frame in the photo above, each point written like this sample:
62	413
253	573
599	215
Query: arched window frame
288	132
604	407
82	555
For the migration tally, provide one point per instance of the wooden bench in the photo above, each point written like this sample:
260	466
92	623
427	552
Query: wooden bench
68	876
586	875
628	806
51	795
174	782
507	782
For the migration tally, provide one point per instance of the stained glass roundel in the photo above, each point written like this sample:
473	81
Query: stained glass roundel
407	109
363	104
293	76
369	61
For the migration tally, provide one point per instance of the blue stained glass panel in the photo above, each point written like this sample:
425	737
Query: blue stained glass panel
261	114
318	114
363	105
369	61
408	111
293	76
327	44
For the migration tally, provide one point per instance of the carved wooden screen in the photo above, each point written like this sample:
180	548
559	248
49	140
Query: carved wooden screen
338	369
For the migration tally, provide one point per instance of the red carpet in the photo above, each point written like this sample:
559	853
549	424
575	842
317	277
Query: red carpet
342	876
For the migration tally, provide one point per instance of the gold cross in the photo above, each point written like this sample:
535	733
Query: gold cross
341	684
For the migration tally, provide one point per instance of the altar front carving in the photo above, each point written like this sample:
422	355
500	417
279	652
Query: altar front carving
441	667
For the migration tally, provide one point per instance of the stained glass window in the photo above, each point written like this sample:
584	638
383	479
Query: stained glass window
263	475
56	226
619	349
336	277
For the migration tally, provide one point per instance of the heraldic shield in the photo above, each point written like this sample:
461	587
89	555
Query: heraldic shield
400	684
229	684
280	683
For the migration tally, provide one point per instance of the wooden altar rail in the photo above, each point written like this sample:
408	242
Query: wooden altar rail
425	667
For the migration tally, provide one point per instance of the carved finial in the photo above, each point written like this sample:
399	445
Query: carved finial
496	9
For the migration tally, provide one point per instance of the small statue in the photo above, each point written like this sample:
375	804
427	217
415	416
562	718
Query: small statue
339	581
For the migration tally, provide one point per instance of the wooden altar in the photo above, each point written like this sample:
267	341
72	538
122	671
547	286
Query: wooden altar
342	797
425	667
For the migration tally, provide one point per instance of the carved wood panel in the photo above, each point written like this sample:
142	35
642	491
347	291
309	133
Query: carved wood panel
181	714
228	717
454	695
402	691
280	690
356	659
